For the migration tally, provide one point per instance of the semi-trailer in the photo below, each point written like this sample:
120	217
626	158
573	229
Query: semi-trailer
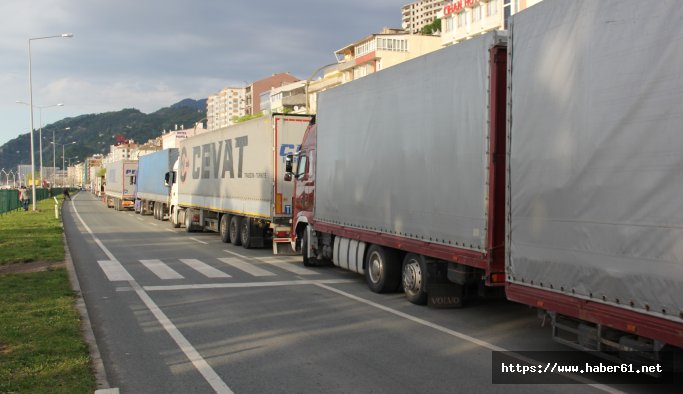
550	166
231	181
152	194
402	176
120	182
595	172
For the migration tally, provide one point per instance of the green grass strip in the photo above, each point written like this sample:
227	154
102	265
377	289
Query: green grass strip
41	348
31	236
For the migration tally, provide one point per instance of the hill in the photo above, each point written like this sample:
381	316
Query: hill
95	133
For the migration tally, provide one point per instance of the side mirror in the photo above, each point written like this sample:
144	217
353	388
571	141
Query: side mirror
289	160
167	179
288	177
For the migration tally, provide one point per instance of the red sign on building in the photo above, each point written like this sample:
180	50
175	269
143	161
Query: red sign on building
455	7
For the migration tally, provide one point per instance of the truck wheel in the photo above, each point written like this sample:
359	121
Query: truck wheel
235	226
382	270
155	211
225	228
245	233
173	218
188	220
414	279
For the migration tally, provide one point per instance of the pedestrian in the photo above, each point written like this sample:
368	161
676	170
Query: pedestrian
23	197
66	194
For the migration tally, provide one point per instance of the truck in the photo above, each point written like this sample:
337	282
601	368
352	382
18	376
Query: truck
231	181
595	214
152	195
120	184
541	162
402	176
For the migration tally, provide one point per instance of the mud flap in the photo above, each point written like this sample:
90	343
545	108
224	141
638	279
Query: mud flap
283	247
445	295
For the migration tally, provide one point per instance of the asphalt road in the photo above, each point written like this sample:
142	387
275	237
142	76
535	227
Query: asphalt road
174	312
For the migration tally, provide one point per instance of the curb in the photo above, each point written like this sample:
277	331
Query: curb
86	327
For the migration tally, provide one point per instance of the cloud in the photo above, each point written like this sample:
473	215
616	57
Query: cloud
150	54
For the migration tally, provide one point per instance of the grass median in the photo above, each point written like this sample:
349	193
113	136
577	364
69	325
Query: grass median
41	347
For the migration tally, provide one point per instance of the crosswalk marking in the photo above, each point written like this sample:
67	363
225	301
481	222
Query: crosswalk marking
114	270
282	262
161	270
246	267
205	269
288	266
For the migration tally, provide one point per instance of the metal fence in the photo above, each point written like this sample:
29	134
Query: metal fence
9	199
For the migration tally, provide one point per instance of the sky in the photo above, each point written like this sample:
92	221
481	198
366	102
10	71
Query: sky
149	54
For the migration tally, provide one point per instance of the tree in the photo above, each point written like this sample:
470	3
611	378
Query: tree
432	28
244	118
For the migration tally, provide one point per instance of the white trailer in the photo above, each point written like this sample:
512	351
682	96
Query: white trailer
231	181
120	184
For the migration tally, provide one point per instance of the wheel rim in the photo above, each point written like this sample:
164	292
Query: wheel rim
375	267
412	277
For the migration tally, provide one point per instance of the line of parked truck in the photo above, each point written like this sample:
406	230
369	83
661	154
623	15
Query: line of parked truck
543	164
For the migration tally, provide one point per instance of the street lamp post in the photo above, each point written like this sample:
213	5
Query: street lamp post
30	94
70	176
63	157
40	136
54	155
308	82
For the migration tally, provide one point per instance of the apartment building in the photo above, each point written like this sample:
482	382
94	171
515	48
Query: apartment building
223	106
415	16
371	54
286	98
463	19
261	90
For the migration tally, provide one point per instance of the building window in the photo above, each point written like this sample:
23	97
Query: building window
448	26
507	11
476	13
360	72
491	8
392	44
462	19
365	48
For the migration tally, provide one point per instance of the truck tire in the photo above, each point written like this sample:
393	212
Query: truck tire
235	226
382	269
188	220
245	233
415	279
225	228
173	219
